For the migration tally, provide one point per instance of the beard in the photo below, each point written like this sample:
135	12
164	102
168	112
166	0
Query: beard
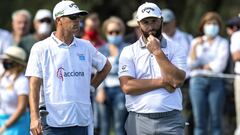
156	33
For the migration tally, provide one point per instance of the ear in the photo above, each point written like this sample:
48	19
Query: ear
59	20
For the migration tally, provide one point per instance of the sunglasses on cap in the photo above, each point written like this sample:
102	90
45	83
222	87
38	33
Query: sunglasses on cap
47	20
111	32
73	17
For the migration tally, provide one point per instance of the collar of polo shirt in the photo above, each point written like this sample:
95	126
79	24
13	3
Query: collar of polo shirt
163	42
60	43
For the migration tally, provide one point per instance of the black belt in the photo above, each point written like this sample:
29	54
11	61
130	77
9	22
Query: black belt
158	115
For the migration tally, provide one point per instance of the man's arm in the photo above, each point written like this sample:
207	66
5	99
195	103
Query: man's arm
100	76
132	86
236	56
170	72
35	83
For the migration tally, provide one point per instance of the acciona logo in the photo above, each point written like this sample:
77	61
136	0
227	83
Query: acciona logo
61	73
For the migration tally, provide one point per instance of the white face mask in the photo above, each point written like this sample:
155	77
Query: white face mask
211	30
44	28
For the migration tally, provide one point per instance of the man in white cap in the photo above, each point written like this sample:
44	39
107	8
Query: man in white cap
171	31
151	71
183	39
43	28
63	65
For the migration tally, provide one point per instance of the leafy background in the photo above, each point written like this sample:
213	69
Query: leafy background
188	12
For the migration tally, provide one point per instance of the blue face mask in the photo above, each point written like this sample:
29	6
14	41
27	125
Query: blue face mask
116	40
211	30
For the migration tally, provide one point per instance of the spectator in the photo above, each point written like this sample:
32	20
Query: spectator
233	25
92	30
183	39
43	27
21	21
14	115
209	54
5	40
111	98
136	33
235	51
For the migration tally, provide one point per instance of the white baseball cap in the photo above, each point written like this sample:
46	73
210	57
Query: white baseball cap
167	15
43	13
67	8
148	10
16	54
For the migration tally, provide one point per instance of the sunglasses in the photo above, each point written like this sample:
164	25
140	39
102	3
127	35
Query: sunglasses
117	32
47	20
73	17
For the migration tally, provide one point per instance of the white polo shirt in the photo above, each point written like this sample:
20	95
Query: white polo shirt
235	46
215	55
181	38
6	40
9	95
136	61
66	73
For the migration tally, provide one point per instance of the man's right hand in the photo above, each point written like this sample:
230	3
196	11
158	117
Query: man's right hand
36	127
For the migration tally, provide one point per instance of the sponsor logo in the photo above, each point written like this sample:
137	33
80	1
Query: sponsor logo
61	73
59	13
81	57
124	69
147	9
73	5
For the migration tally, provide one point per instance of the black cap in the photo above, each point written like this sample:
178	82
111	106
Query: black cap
233	22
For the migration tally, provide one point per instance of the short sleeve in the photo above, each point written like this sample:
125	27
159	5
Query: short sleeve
235	42
34	67
21	85
98	59
126	63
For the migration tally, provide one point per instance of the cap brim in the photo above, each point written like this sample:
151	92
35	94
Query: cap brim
132	23
148	17
4	56
80	12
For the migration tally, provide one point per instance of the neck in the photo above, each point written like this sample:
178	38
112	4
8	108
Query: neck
64	36
17	37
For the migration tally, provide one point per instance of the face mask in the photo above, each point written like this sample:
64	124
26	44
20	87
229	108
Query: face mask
44	28
92	34
211	30
116	40
8	65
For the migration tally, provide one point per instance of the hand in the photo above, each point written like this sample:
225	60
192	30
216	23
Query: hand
167	85
2	129
36	127
101	96
199	40
153	44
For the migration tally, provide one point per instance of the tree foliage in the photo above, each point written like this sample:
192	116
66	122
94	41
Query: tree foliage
188	12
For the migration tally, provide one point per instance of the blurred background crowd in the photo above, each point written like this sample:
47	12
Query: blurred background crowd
110	26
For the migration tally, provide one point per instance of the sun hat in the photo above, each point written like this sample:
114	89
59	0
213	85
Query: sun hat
148	10
67	7
15	54
133	22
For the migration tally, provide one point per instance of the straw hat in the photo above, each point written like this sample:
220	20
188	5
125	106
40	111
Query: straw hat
15	54
133	22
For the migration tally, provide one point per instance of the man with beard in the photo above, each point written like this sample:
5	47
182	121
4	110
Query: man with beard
151	71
